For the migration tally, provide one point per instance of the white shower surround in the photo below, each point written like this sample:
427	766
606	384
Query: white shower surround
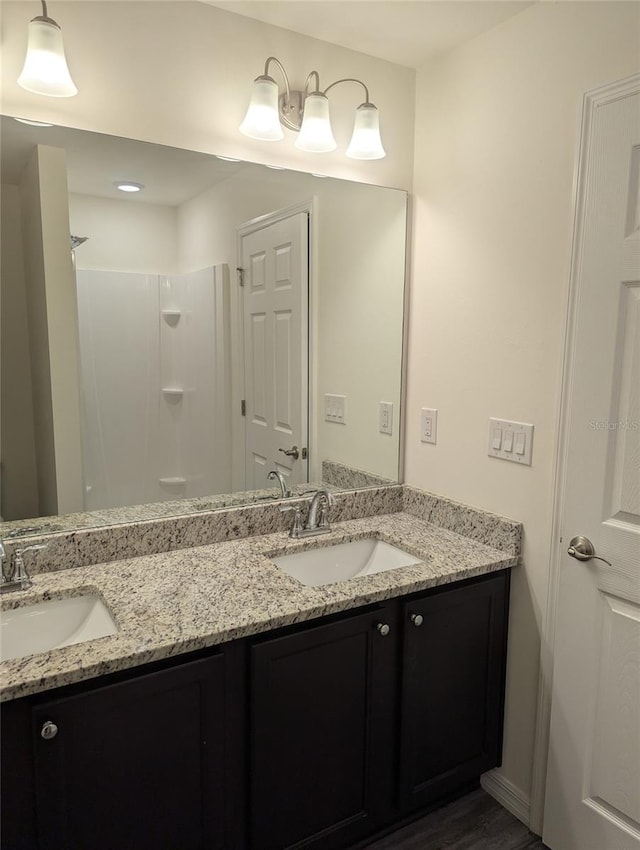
155	404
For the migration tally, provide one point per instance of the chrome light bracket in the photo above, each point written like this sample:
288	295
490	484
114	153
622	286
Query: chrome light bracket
291	109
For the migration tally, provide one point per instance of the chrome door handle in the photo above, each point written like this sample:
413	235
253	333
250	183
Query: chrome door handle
583	549
292	452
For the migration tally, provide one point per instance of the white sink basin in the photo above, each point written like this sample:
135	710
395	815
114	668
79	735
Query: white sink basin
343	561
52	624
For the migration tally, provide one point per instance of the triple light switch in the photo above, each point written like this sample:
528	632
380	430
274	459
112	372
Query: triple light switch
510	440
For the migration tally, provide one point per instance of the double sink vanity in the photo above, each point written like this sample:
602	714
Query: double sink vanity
211	682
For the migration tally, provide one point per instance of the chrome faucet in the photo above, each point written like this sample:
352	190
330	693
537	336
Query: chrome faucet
317	519
14	572
282	481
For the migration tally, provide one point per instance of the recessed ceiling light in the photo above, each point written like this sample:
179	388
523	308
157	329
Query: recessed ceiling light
277	167
227	158
321	176
128	186
33	123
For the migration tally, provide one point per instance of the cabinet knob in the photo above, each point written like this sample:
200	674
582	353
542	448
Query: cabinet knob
383	628
49	730
417	619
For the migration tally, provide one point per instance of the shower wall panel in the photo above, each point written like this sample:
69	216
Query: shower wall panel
119	344
155	366
193	338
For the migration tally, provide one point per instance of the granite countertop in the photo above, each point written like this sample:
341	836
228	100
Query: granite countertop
175	602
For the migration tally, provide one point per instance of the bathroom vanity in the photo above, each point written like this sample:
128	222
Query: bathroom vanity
246	710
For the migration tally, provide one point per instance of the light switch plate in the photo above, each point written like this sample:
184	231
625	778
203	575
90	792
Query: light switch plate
386	417
335	408
510	441
428	425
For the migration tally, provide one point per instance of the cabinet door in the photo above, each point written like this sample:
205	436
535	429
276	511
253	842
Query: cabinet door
322	733
452	688
135	765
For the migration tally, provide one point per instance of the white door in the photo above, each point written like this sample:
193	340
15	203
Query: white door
593	778
275	296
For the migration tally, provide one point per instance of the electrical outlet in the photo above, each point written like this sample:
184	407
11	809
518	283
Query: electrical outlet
428	425
386	417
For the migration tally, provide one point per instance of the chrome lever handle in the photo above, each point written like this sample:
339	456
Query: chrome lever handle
583	549
296	528
292	452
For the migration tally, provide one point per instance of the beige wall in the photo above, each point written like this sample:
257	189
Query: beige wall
52	317
124	235
19	482
180	73
497	124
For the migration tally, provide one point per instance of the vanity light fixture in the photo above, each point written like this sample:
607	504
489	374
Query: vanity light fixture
307	113
45	68
128	186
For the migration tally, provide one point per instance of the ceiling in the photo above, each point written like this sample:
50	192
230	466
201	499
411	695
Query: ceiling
406	32
94	162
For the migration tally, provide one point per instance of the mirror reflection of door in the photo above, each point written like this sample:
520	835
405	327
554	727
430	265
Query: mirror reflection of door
275	260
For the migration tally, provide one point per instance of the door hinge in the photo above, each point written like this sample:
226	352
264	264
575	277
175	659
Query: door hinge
240	273
243	407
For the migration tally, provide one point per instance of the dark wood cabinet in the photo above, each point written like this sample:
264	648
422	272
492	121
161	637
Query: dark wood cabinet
313	736
453	667
351	730
134	765
321	732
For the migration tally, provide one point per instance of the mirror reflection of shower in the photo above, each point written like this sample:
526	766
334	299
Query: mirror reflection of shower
155	382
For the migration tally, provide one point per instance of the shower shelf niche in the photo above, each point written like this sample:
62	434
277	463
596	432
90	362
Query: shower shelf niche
171	317
173	394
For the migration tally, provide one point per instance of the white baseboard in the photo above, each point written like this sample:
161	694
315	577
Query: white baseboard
504	792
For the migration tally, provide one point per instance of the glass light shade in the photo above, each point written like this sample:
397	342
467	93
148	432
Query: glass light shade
45	66
262	120
366	142
316	135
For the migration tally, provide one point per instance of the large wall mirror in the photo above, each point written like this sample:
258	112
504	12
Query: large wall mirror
228	332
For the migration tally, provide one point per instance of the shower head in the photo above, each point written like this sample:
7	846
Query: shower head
77	240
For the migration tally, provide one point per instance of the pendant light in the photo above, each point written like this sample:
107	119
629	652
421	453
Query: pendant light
45	68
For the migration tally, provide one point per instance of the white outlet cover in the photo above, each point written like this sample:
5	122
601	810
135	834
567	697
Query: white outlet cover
428	425
386	417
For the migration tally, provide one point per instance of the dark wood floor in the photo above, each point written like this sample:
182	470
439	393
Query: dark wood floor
474	822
